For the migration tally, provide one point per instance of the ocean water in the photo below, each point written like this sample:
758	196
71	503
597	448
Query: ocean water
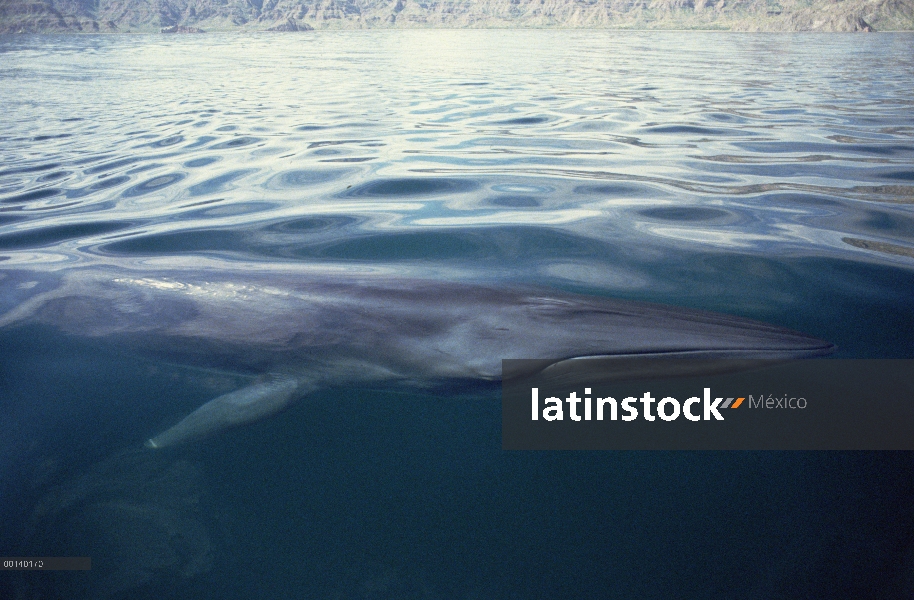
765	176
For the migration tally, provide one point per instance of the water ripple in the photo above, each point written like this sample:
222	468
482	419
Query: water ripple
154	184
411	187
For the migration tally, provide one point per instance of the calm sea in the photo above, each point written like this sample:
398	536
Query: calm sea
767	176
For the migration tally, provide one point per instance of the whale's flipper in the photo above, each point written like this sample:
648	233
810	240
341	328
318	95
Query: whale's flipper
268	395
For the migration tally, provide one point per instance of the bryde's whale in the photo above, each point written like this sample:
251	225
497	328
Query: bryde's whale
297	331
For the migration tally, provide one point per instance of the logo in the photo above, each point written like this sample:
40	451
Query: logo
691	404
668	408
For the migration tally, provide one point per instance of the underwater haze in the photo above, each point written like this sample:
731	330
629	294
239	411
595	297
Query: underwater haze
767	176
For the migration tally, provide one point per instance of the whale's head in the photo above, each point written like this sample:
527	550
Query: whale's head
622	339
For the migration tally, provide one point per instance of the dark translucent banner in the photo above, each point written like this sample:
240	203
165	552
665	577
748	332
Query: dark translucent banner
708	404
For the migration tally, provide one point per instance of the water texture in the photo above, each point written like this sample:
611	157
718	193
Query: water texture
768	176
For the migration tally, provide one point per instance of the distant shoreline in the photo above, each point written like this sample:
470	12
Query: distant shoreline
245	31
184	16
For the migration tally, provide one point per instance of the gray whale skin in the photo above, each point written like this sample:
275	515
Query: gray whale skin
297	331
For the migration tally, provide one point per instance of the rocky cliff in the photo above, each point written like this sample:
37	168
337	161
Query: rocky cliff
88	16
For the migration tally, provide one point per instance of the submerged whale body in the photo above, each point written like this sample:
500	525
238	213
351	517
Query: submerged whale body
297	331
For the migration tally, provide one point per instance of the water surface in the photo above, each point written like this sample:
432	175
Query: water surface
768	176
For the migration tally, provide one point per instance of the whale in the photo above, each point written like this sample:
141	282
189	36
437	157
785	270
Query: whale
294	331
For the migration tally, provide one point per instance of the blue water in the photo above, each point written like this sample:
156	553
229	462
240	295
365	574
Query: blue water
766	176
